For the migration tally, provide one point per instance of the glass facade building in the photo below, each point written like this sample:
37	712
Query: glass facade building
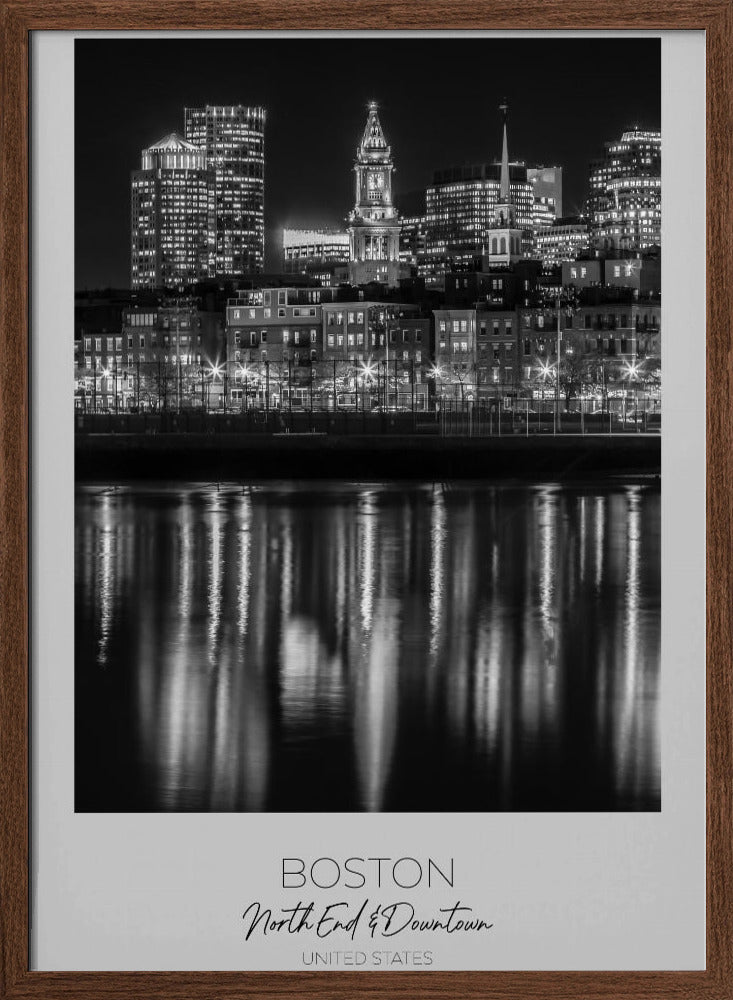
304	249
460	210
172	215
233	139
625	200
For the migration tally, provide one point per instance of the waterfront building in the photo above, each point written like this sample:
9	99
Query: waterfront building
276	326
298	340
155	358
233	138
488	350
496	348
274	339
475	353
455	345
172	215
374	227
322	254
625	199
373	332
380	352
604	338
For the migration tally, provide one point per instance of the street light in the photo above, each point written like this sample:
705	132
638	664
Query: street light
368	370
245	372
368	375
106	374
435	372
214	371
631	374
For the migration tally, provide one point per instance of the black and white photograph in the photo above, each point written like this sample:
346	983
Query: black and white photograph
367	424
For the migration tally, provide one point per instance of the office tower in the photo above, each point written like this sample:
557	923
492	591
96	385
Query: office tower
547	190
374	228
172	215
460	210
566	240
625	198
233	138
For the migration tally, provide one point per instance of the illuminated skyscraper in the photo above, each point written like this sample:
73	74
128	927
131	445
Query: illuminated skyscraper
566	240
172	215
625	201
374	229
547	187
465	204
233	138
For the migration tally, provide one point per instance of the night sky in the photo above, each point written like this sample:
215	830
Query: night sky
438	102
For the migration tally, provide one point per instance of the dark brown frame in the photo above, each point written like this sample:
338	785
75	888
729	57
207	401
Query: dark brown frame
17	19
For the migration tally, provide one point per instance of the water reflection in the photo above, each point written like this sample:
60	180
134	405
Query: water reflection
342	647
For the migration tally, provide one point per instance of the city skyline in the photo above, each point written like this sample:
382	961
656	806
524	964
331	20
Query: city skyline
309	178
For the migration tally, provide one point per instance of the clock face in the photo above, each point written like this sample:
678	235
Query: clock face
376	181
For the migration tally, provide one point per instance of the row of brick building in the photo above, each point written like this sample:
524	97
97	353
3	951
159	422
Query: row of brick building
493	331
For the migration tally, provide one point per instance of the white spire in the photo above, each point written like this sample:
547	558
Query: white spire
504	180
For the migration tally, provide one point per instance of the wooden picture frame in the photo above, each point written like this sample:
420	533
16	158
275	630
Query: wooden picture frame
18	18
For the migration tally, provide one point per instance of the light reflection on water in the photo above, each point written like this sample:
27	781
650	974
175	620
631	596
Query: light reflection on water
339	647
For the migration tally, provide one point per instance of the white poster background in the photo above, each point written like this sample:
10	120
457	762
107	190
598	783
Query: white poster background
564	891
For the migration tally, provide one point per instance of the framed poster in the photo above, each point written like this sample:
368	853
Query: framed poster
364	646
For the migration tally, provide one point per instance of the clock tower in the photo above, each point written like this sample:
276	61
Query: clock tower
374	229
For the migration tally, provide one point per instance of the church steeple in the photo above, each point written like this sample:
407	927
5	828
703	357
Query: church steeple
504	213
504	181
504	239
